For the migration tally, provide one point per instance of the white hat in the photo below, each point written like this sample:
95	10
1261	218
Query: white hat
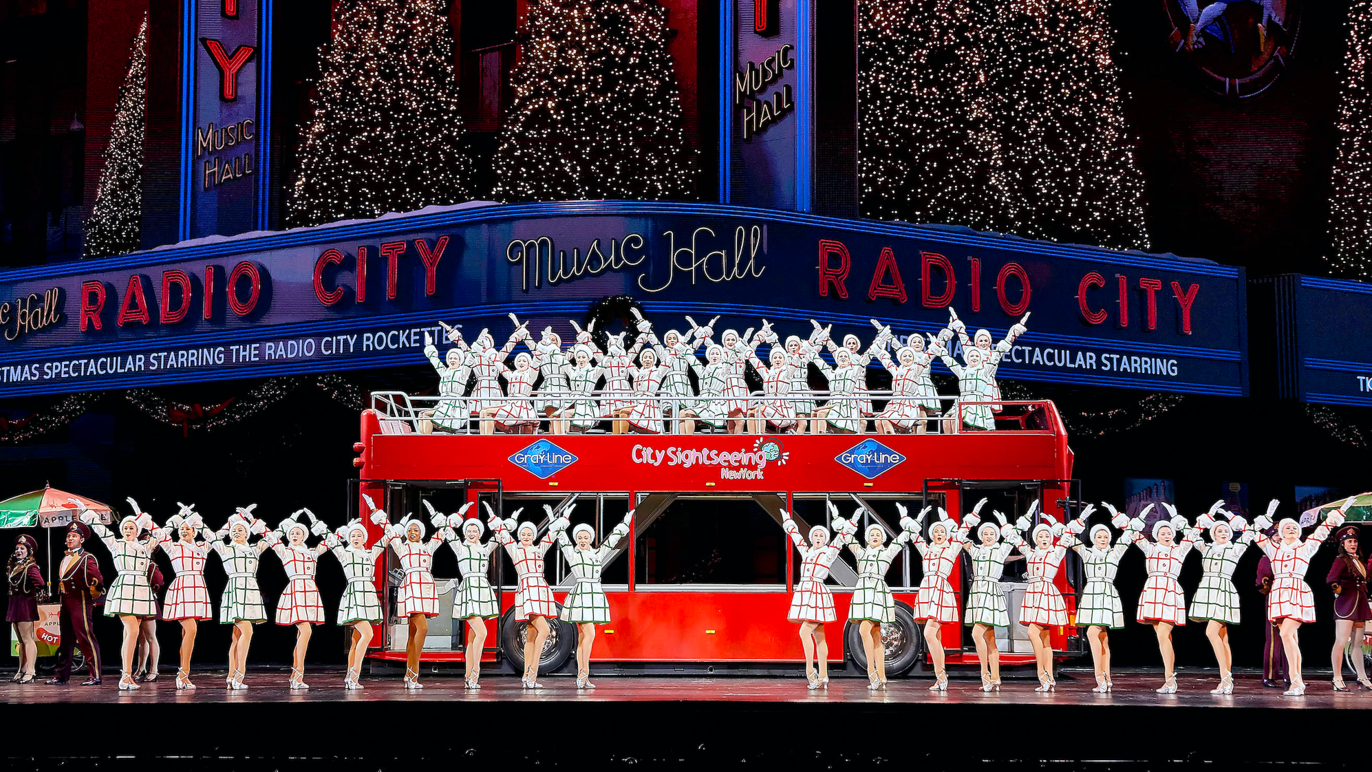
790	338
526	524
980	333
290	524
1282	524
129	519
901	352
1099	527
579	348
579	527
995	529
943	522
522	356
1034	532
814	528
355	525
1164	523
480	527
670	333
876	527
409	520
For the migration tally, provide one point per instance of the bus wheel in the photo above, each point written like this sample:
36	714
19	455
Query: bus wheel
903	640
556	650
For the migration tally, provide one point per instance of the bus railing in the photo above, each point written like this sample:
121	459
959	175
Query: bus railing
875	412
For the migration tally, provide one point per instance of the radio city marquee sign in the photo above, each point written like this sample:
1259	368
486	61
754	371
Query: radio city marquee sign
1322	338
362	295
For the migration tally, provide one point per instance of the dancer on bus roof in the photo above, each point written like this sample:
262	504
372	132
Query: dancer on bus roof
300	604
474	602
516	414
130	596
976	388
25	581
551	360
1100	609
775	409
936	604
986	608
618	361
645	417
1348	579
451	414
241	604
360	606
583	412
417	599
799	355
860	359
711	408
843	413
1043	607
982	340
1216	601
913	398
1291	603
812	605
586	605
735	391
872	605
1162	604
534	598
677	353
487	362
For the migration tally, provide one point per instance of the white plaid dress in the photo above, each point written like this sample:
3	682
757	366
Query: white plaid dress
519	411
474	597
710	408
812	601
131	593
975	384
986	599
1290	595
967	342
552	392
1216	597
677	383
618	391
417	594
735	387
872	599
187	597
903	407
586	412
800	377
451	412
587	602
776	383
845	413
1162	599
487	365
860	360
360	601
646	415
1100	604
936	600
1043	604
534	597
242	600
299	602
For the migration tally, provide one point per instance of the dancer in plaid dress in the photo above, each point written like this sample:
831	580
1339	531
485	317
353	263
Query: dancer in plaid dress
860	360
1043	606
910	404
474	601
645	417
872	605
677	352
735	387
451	413
487	362
1162	603
799	355
130	596
1100	609
812	605
618	362
516	414
188	598
1347	577
299	604
1290	601
982	340
241	605
986	602
583	412
1216	601
586	605
843	413
534	598
936	604
552	391
776	410
976	384
710	409
417	598
360	606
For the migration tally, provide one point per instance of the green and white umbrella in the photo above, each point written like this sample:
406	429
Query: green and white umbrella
48	507
1360	511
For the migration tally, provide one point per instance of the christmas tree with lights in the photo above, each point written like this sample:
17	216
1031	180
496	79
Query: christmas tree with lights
597	112
385	133
1350	206
1067	171
113	227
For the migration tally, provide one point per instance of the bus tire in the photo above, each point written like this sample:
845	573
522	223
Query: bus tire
905	643
561	642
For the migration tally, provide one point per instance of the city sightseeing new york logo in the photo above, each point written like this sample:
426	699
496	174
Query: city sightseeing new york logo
870	459
542	459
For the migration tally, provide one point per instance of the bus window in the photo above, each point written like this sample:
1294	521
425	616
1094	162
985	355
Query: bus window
711	540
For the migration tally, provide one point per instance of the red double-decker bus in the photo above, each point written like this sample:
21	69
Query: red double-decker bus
705	579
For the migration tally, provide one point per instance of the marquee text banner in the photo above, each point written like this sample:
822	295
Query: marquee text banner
1324	326
362	294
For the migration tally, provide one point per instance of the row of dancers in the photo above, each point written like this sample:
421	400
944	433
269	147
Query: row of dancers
548	383
1162	603
987	542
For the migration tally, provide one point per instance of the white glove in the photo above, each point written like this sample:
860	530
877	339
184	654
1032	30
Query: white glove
559	525
1144	514
258	527
1179	524
1006	532
848	527
1171	510
1057	529
144	521
319	528
136	509
904	513
1075	527
222	532
332	540
379	517
1262	522
462	511
1215	507
1000	516
88	517
908	524
1334	519
439	520
1272	509
971	519
1086	512
197	522
1237	524
838	523
395	531
976	510
1022	524
1205	521
629	519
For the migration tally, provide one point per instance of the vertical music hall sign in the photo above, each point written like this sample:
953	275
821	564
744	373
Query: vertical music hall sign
766	104
225	125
